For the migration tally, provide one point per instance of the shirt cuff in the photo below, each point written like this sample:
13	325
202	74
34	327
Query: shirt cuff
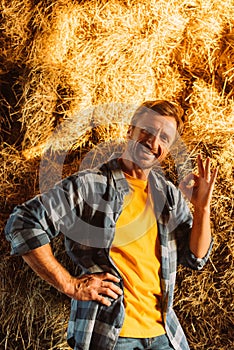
25	241
198	263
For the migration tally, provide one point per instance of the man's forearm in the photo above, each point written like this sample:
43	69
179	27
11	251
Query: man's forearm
44	263
87	287
200	193
201	232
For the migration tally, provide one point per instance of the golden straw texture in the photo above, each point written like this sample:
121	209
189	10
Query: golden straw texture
71	74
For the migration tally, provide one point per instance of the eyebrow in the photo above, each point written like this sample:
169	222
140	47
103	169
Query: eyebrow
152	130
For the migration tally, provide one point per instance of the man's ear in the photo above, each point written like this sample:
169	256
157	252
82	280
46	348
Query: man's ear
129	132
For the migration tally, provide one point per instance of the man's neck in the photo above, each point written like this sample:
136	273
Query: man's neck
129	167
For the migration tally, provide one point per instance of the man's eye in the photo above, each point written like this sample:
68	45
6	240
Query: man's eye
164	138
145	131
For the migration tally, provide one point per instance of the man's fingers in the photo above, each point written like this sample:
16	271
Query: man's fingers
207	169
111	286
108	289
109	292
200	165
188	182
108	276
214	175
98	287
213	178
101	299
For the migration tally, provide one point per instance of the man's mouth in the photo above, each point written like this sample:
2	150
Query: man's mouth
148	150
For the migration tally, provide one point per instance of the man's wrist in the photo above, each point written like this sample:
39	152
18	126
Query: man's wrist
202	210
69	286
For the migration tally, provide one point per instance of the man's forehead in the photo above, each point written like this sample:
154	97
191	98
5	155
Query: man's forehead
151	118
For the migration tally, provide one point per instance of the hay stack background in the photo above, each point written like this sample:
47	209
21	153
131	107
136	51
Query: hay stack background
78	68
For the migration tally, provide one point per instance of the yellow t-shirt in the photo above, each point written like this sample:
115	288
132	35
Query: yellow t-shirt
136	253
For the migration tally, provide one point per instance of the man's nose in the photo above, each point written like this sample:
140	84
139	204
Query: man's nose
154	141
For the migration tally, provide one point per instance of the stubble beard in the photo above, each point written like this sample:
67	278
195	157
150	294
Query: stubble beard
141	155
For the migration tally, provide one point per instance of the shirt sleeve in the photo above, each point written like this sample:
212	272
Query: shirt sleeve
183	232
37	221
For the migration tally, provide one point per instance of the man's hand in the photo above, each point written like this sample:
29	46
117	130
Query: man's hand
87	287
94	287
198	188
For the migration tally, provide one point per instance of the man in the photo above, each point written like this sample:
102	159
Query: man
126	228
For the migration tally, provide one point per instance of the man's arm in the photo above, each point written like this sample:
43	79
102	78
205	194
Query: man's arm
35	223
201	233
88	287
200	193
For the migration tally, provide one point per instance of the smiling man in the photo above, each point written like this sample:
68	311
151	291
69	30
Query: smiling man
126	228
149	138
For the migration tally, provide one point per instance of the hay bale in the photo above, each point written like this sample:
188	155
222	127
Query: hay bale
71	74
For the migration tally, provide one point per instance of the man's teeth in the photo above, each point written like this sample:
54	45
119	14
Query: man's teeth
148	151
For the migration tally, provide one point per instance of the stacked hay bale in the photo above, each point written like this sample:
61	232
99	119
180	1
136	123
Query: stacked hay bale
71	75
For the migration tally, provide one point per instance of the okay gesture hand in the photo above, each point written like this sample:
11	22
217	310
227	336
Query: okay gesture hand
198	188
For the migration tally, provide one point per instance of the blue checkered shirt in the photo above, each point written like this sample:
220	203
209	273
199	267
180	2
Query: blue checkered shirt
85	208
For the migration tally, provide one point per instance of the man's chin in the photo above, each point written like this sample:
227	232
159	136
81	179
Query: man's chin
144	163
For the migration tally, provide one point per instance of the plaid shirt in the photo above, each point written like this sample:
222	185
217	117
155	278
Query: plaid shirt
85	208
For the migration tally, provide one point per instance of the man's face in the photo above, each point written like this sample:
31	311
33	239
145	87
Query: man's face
150	139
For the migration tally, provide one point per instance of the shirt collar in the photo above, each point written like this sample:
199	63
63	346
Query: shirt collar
118	175
156	180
